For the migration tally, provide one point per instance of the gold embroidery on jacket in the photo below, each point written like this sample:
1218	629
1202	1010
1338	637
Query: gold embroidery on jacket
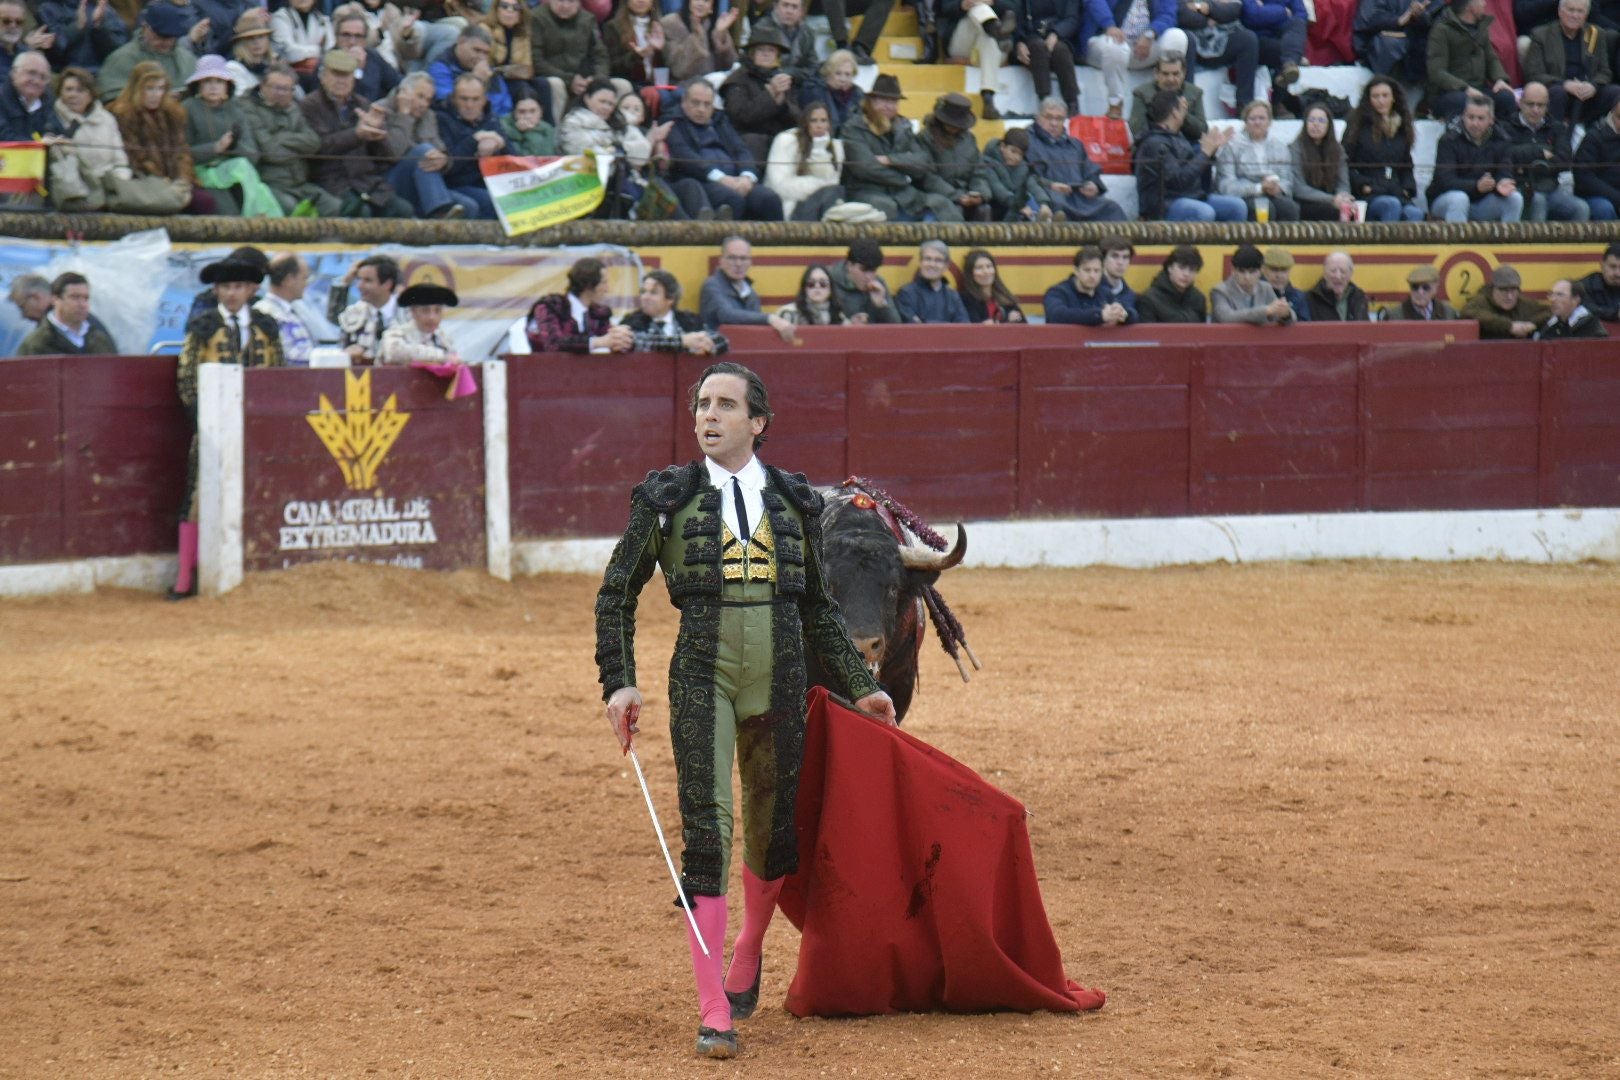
761	554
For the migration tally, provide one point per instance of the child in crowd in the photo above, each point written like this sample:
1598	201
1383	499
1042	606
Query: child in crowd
1017	193
526	131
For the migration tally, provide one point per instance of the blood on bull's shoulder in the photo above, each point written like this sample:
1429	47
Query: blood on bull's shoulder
881	579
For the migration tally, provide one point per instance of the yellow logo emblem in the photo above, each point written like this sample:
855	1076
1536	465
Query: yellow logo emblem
359	436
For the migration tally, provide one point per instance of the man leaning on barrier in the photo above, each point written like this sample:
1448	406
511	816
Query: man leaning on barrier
68	329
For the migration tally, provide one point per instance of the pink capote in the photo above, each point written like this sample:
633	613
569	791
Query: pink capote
916	888
461	378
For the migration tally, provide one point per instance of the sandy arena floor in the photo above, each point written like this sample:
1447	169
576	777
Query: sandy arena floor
1321	820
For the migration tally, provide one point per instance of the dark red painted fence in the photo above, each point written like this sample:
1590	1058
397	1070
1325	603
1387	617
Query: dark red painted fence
962	422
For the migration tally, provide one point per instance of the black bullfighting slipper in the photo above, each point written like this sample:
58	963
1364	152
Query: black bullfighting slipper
716	1044
744	1002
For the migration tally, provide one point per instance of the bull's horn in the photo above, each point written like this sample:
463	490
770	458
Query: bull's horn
915	557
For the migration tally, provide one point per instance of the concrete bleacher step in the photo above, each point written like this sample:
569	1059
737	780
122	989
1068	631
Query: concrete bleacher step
902	23
933	79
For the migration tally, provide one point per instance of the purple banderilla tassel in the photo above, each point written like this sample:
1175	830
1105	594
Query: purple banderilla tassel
902	513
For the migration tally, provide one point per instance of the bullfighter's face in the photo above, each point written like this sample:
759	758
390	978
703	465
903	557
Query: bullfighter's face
724	430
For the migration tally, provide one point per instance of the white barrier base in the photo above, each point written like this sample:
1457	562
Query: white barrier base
1533	536
154	573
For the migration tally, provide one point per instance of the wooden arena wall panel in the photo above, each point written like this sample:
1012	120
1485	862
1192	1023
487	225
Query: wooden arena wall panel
1580	423
31	518
1451	429
582	430
1103	431
414	496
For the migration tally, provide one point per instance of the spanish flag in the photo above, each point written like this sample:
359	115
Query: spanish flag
22	168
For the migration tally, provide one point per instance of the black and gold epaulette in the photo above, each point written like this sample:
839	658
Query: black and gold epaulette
796	486
670	489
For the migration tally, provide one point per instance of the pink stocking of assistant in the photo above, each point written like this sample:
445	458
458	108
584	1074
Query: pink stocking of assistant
188	556
759	904
710	914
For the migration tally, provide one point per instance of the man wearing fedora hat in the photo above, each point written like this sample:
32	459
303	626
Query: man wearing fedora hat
758	95
1422	303
955	167
888	167
1503	310
159	40
230	332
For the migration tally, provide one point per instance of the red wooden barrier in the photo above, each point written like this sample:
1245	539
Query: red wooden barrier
1580	424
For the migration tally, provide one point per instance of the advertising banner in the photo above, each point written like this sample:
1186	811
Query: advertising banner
537	192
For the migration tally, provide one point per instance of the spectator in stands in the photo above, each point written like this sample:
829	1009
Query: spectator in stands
511	54
1275	267
1246	298
798	55
89	165
153	126
375	78
874	15
635	43
26	108
1392	36
963	32
758	95
713	169
526	130
285	142
1013	189
1131	33
420	337
1541	151
471	132
1336	298
1170	73
157	41
816	303
1117	255
14	16
1422	303
929	298
353	161
251	55
289	277
641	174
1570	317
85	32
835	89
952	168
416	146
1502	309
1173	174
301	33
1473	171
659	327
1220	40
1044	30
728	293
1461	60
1378	145
1597	166
363	322
1173	297
984	295
1073	181
1255	167
577	321
470	56
32	295
805	165
68	328
395	33
695	43
567	46
1320	175
861	292
1083	299
593	123
1281	26
1602	287
1571	58
888	166
225	149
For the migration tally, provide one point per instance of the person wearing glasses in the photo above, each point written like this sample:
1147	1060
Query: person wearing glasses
1422	302
729	296
817	302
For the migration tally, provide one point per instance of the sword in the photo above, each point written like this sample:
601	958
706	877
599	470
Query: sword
641	777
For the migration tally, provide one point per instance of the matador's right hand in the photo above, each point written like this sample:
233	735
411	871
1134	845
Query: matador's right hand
623	711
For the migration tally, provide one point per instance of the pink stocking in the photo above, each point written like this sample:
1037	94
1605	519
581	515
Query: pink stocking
759	904
710	914
188	556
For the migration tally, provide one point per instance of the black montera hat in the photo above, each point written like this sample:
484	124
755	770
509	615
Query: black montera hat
231	270
421	295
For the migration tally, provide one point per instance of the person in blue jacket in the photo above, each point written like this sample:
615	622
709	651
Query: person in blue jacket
1117	254
1281	26
1116	34
1083	299
711	169
470	131
929	298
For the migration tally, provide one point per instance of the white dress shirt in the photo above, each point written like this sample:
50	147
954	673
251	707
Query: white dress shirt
751	477
241	321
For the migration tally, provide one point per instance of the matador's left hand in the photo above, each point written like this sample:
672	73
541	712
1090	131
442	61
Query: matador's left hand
880	706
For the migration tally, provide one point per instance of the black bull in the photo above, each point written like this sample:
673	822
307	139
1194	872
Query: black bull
879	584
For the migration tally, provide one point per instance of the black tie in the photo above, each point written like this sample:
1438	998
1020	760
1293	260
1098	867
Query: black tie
742	523
236	335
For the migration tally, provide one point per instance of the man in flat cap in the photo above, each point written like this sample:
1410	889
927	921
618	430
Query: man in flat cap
1275	267
353	160
230	332
1503	310
158	39
1422	302
420	338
